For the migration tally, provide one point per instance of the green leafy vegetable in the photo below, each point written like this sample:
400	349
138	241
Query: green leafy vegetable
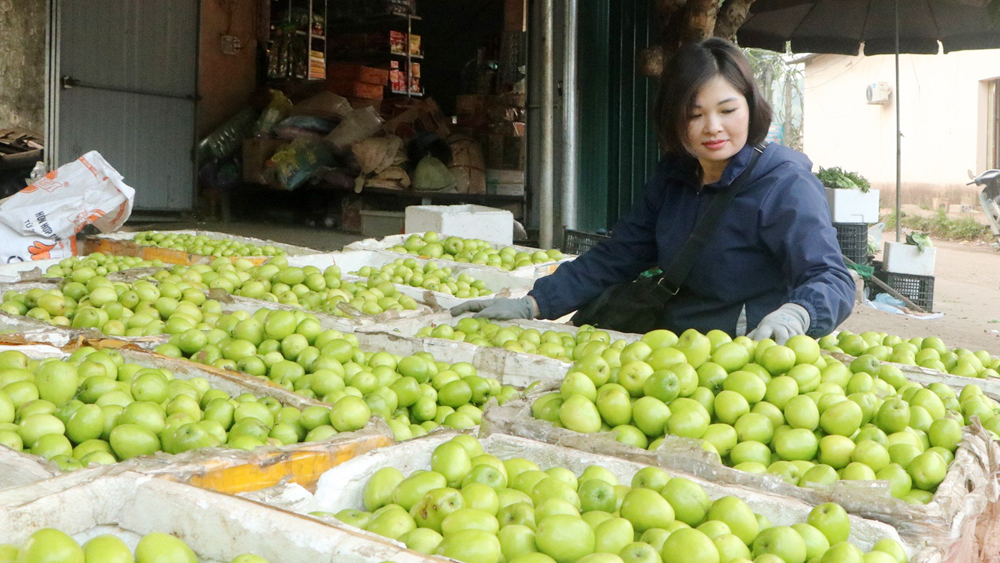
837	178
921	240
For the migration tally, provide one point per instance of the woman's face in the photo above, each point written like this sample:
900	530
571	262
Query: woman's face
718	122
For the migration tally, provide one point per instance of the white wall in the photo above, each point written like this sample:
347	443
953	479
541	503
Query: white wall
943	120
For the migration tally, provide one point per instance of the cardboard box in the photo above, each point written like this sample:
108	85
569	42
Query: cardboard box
423	116
256	152
355	89
359	73
515	15
470	105
506	152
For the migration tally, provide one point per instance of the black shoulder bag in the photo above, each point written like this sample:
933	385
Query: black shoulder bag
639	306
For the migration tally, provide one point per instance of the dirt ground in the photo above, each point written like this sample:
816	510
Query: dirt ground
966	288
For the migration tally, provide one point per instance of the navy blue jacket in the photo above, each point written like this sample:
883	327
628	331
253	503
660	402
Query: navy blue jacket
775	245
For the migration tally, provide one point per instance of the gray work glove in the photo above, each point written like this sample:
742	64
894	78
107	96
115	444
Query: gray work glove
500	309
787	321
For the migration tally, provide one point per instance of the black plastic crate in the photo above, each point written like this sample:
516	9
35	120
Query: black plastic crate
919	289
578	242
853	240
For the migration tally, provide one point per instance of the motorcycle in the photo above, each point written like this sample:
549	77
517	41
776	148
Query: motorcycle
989	198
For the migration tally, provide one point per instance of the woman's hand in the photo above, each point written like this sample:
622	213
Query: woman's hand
500	309
787	321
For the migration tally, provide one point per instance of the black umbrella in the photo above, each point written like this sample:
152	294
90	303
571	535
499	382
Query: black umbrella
841	26
879	26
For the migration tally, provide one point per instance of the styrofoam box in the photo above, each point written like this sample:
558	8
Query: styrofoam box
34	468
217	527
533	271
501	283
902	258
514	368
467	221
342	487
853	206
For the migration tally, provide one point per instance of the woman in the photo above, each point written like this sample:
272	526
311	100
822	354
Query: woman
773	262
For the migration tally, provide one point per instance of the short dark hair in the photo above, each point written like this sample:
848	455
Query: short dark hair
692	67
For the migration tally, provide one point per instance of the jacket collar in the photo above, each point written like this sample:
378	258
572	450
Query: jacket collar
736	166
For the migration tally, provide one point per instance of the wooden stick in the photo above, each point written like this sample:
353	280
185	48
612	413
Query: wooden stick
909	304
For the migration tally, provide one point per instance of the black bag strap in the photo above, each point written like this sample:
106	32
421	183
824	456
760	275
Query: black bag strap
675	275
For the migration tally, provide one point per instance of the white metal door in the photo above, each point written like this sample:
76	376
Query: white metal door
126	85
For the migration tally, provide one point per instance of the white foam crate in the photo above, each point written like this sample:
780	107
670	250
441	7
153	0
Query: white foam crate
902	258
500	283
342	487
18	468
853	206
515	368
534	271
10	273
466	221
217	527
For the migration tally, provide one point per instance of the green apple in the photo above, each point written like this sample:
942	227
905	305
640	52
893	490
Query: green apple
688	500
872	454
650	415
737	515
422	540
832	520
516	540
640	552
843	552
730	547
410	490
899	480
580	415
927	471
815	542
893	415
730	406
472	546
107	548
591	472
464	518
52	545
714	529
652	478
688	545
597	494
452	460
517	513
163	548
835	451
565	538
646	509
391	521
613	535
482	497
435	506
797	444
782	541
891	547
351	517
842	419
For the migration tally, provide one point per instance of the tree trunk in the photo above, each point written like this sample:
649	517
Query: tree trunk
731	16
699	16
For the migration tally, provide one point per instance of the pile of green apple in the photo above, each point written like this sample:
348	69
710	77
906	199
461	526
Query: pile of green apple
169	300
430	276
763	407
473	507
52	545
558	345
82	268
96	408
930	353
473	251
413	394
203	245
